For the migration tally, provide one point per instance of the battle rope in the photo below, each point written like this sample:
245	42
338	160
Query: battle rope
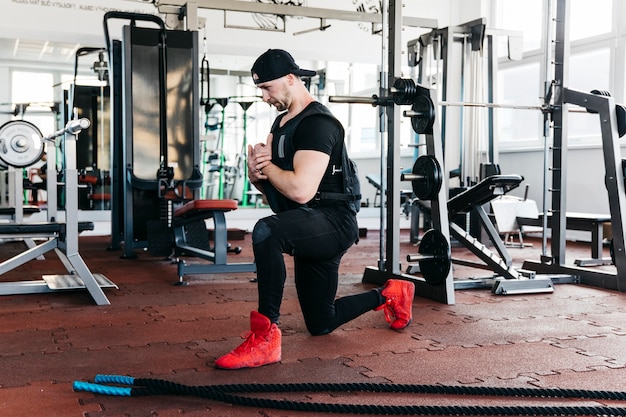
129	386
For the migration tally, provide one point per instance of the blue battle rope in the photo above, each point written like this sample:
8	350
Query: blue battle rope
129	387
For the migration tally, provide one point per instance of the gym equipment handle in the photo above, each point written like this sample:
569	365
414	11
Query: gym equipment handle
102	389
72	127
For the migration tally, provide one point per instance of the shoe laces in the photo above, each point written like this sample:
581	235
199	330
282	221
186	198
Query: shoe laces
387	308
249	344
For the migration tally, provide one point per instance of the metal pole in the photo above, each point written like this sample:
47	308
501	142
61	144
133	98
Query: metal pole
546	123
382	120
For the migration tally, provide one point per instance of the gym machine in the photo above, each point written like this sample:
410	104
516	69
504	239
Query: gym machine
464	60
22	145
434	257
155	131
427	178
611	118
156	169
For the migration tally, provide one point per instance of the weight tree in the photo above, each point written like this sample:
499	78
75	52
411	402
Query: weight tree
422	100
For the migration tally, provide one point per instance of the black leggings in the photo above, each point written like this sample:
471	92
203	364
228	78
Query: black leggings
317	238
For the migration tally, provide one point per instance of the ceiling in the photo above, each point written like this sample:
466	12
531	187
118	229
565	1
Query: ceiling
26	43
37	51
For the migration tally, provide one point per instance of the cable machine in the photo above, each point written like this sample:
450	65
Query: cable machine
155	131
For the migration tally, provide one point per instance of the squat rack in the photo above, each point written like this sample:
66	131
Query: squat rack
614	177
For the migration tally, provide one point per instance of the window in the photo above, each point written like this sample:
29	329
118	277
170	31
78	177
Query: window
589	70
361	121
590	18
524	16
36	90
519	85
594	46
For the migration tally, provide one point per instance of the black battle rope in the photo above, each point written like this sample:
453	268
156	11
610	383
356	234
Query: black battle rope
129	387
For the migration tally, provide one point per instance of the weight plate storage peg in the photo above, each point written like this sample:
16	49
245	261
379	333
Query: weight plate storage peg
435	257
427	177
21	143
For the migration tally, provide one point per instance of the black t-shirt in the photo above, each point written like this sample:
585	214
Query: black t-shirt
313	129
320	133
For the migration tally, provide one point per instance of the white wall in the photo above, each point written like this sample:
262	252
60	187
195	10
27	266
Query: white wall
586	191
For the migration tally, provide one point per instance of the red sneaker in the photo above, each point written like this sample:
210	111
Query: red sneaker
261	347
399	305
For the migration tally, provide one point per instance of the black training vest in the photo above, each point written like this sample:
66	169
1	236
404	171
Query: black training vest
283	152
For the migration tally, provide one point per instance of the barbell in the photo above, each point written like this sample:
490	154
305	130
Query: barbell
435	258
422	113
22	144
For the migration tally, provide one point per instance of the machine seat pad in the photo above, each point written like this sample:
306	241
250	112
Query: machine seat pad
99	196
483	192
39	227
196	207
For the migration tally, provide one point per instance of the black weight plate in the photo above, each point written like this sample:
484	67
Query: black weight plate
435	248
621	119
424	120
405	91
428	185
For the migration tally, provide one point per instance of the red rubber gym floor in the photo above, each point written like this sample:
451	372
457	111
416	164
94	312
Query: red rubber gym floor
574	338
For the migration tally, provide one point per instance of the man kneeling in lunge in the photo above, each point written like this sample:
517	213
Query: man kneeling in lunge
312	187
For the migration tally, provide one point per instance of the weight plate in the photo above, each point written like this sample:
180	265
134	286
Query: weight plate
424	119
428	185
405	91
621	119
21	143
437	257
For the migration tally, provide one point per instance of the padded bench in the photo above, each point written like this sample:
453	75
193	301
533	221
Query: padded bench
583	222
483	192
191	237
9	212
39	228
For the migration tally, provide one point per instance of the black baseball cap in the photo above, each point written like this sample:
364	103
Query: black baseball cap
276	63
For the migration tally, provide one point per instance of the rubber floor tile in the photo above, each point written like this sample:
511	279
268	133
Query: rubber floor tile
78	364
573	337
48	399
487	332
456	364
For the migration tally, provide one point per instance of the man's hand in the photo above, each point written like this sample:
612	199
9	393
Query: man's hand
259	157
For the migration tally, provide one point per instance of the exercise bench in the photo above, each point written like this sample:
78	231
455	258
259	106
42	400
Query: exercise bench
588	222
62	237
472	200
191	237
55	237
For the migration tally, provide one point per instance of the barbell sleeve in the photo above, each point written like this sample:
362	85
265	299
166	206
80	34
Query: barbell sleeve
418	258
411	177
353	100
72	127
